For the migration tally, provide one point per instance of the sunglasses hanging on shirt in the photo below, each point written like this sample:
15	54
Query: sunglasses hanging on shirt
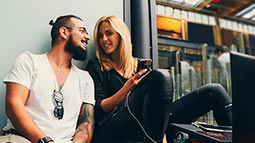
59	109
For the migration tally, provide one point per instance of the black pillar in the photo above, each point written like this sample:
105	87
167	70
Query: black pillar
143	30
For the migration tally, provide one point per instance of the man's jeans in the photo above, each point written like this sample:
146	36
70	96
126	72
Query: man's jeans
12	138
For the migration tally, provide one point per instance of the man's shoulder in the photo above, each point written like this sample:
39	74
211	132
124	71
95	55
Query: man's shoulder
24	58
28	54
80	71
25	54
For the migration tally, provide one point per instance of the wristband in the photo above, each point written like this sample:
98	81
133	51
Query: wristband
45	140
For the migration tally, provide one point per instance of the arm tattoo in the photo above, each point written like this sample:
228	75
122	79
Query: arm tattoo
85	129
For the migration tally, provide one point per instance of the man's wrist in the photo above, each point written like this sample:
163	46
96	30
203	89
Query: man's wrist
46	139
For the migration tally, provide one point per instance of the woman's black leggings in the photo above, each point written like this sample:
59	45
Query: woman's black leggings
150	103
199	102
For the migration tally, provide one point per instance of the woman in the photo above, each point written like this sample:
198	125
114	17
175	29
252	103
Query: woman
130	104
149	95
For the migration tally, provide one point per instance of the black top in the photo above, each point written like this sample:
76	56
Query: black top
106	83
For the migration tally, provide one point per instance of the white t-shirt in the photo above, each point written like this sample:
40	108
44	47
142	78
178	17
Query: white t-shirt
35	72
224	58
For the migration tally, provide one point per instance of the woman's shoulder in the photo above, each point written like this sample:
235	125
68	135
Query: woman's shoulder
93	61
93	64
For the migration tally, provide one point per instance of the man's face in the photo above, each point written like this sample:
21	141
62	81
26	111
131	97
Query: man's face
78	52
78	40
218	54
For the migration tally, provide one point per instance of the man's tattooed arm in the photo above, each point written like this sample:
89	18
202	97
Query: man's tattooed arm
85	129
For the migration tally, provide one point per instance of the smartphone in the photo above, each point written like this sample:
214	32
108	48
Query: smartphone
144	64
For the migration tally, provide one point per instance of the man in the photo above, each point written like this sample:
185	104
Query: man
46	93
223	57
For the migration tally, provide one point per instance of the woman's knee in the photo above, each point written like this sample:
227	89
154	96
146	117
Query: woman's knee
217	91
214	88
160	77
162	80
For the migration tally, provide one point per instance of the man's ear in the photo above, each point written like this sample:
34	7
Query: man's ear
63	32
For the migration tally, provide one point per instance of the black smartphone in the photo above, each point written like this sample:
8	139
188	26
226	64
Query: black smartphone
144	64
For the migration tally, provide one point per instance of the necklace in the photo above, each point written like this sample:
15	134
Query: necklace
61	77
61	70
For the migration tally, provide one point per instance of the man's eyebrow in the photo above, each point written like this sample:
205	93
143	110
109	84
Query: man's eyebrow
84	28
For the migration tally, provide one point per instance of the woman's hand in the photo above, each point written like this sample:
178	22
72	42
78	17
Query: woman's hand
133	81
113	101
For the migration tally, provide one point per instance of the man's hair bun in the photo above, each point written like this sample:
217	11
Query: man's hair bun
51	22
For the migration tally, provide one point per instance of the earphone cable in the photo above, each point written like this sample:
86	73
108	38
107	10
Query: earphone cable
141	126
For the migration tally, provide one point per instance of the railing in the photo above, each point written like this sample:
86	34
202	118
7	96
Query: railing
189	74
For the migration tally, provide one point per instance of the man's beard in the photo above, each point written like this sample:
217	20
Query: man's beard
78	52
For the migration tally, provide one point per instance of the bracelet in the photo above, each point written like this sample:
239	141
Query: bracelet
45	140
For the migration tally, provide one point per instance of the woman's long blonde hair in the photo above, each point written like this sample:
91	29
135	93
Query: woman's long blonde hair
127	62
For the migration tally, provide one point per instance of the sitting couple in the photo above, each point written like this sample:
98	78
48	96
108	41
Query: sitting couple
129	105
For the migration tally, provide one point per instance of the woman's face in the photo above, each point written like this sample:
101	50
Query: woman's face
108	38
